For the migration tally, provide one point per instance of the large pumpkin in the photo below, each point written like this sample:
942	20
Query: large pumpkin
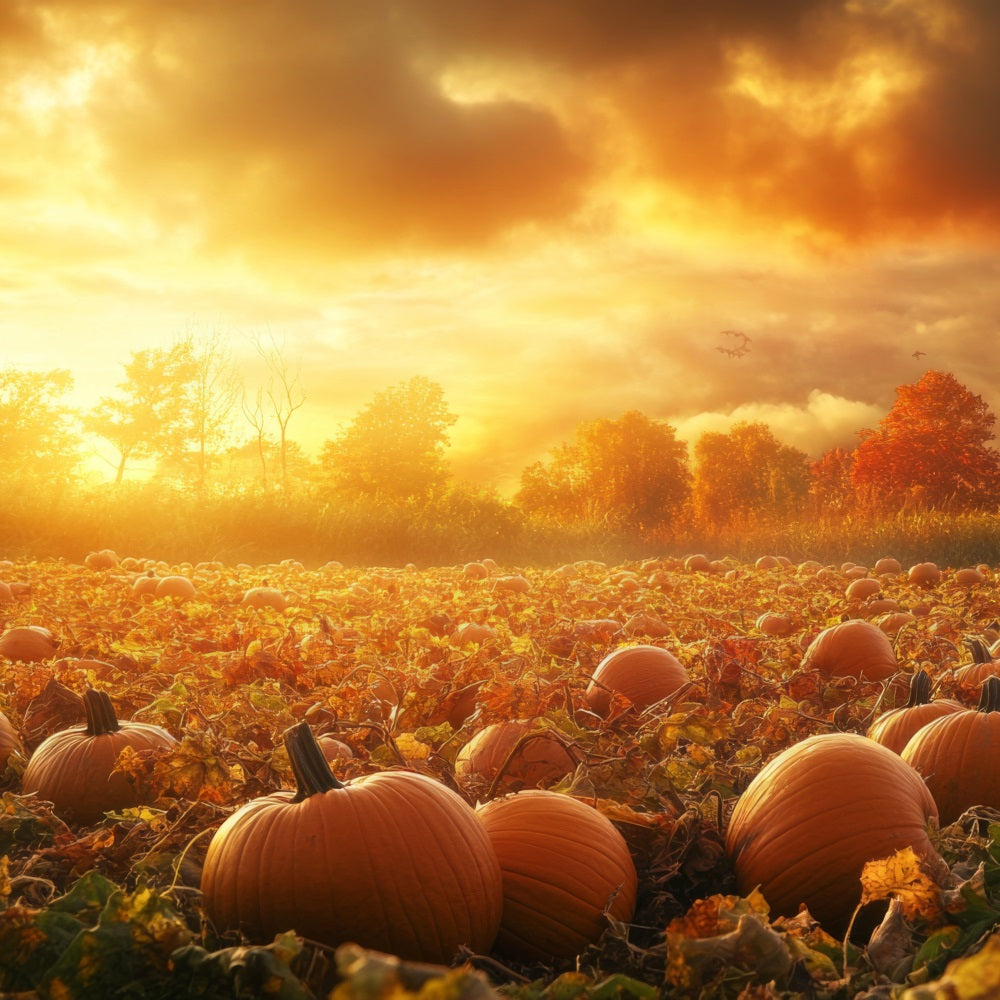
28	644
854	648
643	674
394	861
957	755
564	866
894	728
511	756
74	769
816	813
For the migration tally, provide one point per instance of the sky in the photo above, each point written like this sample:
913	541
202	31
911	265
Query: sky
558	210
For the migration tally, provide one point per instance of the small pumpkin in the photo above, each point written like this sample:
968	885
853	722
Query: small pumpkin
970	676
28	644
512	755
854	648
956	755
925	574
644	674
394	861
862	589
565	866
334	749
774	623
101	559
74	769
894	728
816	813
265	597
175	586
10	741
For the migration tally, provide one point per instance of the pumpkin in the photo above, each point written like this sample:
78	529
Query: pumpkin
767	562
265	597
887	566
698	563
512	755
855	648
515	583
925	574
894	728
334	749
176	586
395	861
28	644
475	571
956	754
74	769
473	633
644	674
970	676
564	865
816	813
145	585
774	623
862	588
103	559
969	576
10	742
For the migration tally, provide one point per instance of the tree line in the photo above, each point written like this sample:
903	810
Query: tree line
186	411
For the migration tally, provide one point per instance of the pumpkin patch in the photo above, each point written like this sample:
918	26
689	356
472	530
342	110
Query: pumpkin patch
554	800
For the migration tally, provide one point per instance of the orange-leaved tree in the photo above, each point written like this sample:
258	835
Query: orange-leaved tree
931	451
631	473
745	473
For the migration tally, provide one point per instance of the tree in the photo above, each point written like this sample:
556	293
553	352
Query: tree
284	396
745	473
38	442
830	484
149	415
930	451
630	472
394	448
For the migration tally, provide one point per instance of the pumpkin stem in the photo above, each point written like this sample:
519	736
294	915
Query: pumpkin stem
989	698
920	689
311	768
101	718
979	649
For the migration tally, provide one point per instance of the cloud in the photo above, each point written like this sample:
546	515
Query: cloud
823	421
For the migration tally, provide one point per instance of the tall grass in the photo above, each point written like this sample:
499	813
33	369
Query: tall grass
154	521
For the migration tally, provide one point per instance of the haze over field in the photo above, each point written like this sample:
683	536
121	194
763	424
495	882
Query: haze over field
555	210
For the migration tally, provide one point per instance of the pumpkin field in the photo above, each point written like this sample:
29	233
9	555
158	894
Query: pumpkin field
680	777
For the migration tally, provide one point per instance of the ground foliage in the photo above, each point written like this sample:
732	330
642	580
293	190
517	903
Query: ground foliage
375	656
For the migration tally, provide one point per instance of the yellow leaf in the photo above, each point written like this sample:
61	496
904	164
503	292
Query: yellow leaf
903	877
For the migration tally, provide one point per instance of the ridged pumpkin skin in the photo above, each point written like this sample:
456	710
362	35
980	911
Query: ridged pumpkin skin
957	756
643	674
73	768
393	861
894	728
9	741
816	813
564	863
855	648
513	754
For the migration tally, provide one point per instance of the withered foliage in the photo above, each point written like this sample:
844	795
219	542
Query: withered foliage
375	657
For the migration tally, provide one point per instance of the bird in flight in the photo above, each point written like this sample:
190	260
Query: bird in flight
919	354
739	348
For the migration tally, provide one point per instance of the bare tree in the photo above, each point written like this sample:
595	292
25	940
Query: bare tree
284	392
258	421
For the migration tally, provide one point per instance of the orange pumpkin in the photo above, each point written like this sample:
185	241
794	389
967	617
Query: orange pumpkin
265	597
644	674
855	648
894	728
956	754
564	865
28	644
970	676
511	756
74	769
9	741
816	813
925	574
394	861
175	586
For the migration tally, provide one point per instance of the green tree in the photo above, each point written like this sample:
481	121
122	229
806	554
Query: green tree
394	448
630	472
38	439
745	473
930	451
150	414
